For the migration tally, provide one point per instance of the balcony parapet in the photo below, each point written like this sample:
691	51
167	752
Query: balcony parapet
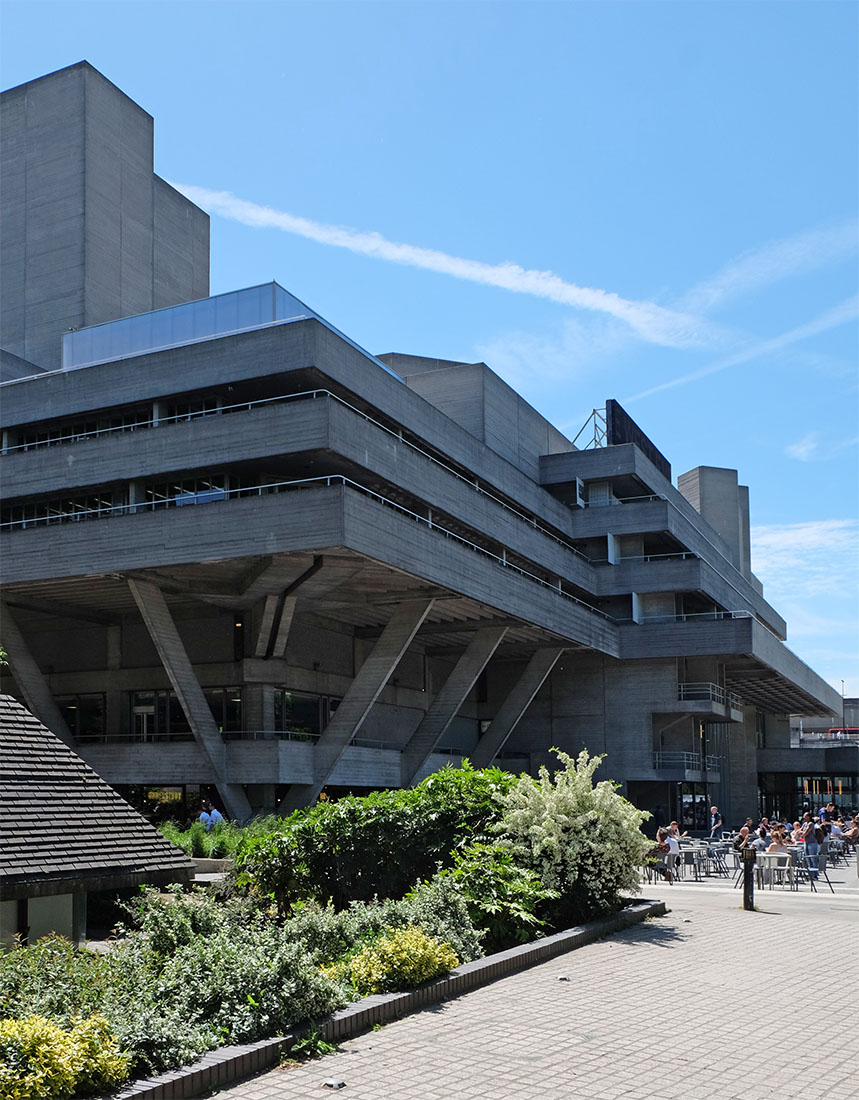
689	767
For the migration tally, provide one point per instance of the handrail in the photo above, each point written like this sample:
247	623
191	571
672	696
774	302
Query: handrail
246	406
328	480
689	761
715	692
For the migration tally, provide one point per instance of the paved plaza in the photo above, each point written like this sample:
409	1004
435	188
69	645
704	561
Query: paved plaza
708	1001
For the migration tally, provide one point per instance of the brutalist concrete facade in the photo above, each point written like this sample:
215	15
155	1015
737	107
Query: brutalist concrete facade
243	554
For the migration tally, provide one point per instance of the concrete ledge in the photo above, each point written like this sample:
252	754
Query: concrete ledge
225	1066
210	866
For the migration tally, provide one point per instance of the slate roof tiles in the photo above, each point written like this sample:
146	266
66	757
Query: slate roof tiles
59	820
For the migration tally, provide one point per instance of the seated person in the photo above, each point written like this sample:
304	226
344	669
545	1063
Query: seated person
741	840
674	830
761	841
662	852
779	844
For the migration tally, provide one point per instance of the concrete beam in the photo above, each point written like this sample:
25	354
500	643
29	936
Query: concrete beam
446	704
30	678
58	610
171	650
514	706
363	692
459	626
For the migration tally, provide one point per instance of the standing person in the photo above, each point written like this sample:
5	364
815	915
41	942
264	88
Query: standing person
812	835
215	816
715	822
205	818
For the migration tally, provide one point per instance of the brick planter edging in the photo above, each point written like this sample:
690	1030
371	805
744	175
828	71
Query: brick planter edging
225	1066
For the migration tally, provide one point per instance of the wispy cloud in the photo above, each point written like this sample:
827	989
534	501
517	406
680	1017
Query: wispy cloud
651	322
807	560
812	447
804	449
772	262
841	314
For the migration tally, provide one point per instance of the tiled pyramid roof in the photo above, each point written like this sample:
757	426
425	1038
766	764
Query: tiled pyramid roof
62	825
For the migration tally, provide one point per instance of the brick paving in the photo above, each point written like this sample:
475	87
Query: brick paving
708	1001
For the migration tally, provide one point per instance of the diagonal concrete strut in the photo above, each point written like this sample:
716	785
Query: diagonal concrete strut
174	657
446	704
514	706
30	678
363	692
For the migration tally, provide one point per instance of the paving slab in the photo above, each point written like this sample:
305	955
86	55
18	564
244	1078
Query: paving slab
708	1001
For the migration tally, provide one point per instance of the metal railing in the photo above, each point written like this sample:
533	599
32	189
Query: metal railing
305	395
713	692
814	739
315	482
647	499
687	761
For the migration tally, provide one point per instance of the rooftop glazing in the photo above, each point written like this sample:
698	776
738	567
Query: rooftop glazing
222	315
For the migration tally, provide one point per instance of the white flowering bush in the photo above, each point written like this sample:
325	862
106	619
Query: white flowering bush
583	840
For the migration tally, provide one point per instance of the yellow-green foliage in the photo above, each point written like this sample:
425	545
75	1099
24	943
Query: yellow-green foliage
41	1061
399	960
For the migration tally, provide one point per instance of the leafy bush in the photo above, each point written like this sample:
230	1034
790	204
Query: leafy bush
502	897
39	1060
583	841
221	842
192	976
403	958
352	849
437	907
52	979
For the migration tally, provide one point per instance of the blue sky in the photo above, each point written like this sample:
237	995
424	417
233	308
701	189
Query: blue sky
651	201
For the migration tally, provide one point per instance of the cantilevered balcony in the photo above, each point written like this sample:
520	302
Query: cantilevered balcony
687	767
705	700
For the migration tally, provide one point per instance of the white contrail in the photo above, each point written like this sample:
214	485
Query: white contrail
839	315
651	322
769	263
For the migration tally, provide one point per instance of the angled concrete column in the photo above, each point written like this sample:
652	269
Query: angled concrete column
269	610
30	678
446	704
287	614
363	692
159	622
515	705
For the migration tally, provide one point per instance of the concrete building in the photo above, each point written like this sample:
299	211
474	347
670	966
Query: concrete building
242	554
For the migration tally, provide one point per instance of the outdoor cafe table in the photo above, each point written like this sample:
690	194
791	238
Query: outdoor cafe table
767	863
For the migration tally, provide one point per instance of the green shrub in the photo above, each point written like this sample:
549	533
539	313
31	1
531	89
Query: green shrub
352	849
502	897
403	958
52	979
437	907
39	1060
583	841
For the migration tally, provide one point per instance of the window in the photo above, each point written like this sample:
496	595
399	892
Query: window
158	715
298	713
84	715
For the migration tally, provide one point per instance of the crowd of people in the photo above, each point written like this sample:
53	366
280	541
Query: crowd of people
813	832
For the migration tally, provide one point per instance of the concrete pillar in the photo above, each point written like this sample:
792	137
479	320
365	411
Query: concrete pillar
180	672
269	610
136	496
281	637
29	677
613	544
514	706
450	698
363	692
